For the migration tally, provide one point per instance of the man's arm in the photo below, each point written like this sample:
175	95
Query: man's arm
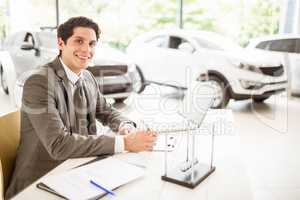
135	140
39	103
105	113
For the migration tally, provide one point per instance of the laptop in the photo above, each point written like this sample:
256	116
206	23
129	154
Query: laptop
192	109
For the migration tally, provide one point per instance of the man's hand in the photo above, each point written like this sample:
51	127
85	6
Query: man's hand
140	140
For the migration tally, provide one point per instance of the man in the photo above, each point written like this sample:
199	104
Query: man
60	104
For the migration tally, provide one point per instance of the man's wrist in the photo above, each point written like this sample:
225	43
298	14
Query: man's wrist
119	144
125	127
127	123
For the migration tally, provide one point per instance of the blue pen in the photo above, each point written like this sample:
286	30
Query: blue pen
102	188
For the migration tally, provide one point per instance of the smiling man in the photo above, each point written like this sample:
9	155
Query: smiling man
61	102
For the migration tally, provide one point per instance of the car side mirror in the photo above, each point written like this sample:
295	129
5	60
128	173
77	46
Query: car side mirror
186	47
27	46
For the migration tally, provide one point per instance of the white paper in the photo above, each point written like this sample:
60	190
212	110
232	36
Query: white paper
110	173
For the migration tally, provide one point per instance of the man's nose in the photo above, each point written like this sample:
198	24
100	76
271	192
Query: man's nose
86	48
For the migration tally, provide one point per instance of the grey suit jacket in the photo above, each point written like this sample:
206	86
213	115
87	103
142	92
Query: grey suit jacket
46	137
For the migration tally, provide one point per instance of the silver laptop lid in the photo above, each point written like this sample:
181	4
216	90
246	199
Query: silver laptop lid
196	102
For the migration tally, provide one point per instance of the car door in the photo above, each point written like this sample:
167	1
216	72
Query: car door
178	61
149	56
163	61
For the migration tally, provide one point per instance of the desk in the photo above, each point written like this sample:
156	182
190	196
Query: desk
229	181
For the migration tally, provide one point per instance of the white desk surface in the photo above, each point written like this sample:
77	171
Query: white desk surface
229	181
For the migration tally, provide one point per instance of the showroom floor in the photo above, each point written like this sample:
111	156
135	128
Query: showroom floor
268	134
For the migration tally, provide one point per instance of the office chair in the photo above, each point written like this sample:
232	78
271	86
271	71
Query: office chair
9	141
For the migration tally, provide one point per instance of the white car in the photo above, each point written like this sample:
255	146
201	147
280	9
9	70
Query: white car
283	43
178	57
118	77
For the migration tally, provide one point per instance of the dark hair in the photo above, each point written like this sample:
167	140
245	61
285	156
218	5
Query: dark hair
65	30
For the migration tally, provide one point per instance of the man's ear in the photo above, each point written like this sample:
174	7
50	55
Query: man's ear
60	43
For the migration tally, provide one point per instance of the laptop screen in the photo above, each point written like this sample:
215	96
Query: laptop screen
196	103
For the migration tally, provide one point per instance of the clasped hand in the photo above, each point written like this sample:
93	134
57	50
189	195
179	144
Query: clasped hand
139	140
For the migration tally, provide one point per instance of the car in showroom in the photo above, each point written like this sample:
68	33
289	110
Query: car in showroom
118	77
287	44
178	57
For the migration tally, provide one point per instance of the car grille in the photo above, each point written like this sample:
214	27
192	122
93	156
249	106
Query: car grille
108	70
272	71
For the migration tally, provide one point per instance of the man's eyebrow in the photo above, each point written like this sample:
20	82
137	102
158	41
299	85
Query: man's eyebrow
80	37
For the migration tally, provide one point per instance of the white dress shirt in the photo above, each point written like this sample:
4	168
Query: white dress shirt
73	78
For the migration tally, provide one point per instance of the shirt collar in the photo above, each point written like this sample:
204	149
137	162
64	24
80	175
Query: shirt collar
73	77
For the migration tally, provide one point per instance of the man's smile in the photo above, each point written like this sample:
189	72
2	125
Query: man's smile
83	57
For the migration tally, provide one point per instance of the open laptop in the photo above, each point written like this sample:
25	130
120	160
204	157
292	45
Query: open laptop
192	109
196	103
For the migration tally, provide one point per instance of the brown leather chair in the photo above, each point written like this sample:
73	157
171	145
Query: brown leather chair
9	141
1	184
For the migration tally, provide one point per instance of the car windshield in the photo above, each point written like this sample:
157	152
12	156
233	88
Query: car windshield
215	42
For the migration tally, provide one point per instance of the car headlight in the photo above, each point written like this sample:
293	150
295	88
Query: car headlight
246	84
250	68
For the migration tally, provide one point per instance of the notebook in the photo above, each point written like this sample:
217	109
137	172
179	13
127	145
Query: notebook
76	183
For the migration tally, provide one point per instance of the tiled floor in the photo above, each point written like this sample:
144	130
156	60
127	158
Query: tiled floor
268	133
270	143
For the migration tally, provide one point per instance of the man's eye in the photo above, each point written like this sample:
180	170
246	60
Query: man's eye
79	41
92	44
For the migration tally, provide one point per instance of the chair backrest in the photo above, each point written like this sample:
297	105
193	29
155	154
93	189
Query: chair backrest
1	184
9	141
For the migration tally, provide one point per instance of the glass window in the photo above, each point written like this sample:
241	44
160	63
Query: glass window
263	45
298	46
285	45
158	41
174	42
29	39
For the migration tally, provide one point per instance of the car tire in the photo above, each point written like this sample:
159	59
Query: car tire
120	100
4	85
223	97
259	99
141	80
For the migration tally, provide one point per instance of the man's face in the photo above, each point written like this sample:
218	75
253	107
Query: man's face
79	49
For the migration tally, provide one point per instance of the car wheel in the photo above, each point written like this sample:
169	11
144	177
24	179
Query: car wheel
139	83
221	92
260	99
120	100
3	81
